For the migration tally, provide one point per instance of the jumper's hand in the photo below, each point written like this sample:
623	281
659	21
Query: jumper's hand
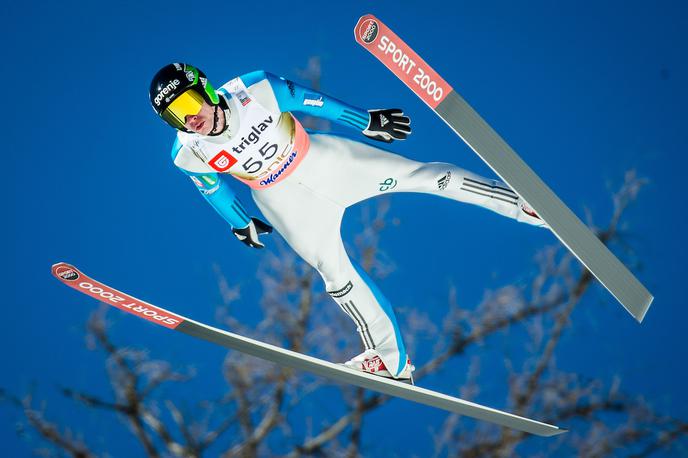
387	125
249	234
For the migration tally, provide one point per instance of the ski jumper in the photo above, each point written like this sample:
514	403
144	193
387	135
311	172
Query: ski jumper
304	181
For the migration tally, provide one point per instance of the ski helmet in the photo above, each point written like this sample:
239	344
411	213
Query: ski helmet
178	90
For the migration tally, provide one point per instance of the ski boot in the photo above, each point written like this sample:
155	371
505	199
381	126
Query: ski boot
528	215
369	361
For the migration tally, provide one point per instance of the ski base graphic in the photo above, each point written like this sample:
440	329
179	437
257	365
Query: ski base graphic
72	277
413	71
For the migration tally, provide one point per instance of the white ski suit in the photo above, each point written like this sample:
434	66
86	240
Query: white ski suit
304	181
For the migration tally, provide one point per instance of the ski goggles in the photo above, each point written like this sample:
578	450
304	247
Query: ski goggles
188	103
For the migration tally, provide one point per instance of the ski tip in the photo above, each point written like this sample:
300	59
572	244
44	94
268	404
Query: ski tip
366	16
559	431
64	272
366	27
58	265
542	429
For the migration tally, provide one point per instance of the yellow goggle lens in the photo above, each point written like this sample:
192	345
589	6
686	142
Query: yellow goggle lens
187	104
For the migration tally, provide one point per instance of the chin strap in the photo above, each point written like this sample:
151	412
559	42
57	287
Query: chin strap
216	118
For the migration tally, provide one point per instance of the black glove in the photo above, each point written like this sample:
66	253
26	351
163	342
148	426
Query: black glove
387	125
249	234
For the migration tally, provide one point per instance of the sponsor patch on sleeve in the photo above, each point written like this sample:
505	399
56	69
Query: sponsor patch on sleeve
313	100
207	184
210	180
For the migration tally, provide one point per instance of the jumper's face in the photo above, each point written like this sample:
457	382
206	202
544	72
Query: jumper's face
202	122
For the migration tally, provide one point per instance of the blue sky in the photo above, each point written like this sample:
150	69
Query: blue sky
583	91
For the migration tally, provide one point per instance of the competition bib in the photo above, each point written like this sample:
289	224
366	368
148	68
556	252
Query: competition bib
265	149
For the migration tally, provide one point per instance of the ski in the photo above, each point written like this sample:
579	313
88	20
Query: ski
72	277
411	69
